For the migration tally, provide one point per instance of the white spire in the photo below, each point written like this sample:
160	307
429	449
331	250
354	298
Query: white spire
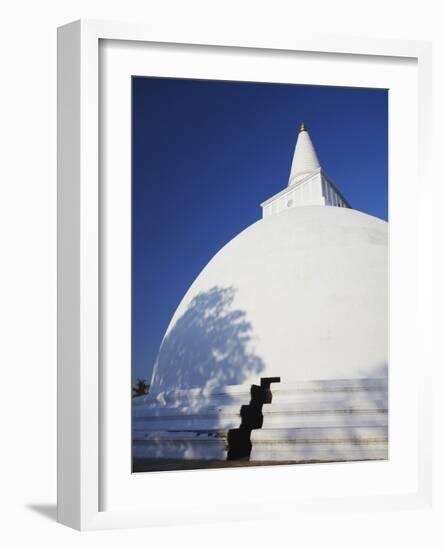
308	183
305	158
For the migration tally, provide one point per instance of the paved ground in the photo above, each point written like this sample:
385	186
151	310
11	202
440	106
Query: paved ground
162	465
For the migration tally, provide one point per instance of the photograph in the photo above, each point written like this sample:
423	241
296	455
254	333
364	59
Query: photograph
260	274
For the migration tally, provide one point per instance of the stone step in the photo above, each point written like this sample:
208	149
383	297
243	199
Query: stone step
301	406
181	445
325	419
195	395
184	422
319	452
274	420
288	402
336	385
187	410
335	433
242	392
336	396
179	435
350	434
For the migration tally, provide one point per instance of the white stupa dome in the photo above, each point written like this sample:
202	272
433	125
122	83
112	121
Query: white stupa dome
301	295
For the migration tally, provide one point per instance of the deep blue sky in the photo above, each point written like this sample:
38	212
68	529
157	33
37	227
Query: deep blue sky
207	153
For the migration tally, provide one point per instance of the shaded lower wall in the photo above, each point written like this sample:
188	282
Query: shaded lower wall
329	420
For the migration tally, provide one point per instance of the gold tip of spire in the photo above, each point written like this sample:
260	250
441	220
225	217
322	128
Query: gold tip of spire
303	127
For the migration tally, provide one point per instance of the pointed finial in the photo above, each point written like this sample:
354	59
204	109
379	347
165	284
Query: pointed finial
302	127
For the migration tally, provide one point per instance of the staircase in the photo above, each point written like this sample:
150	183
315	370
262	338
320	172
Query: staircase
187	424
315	421
321	421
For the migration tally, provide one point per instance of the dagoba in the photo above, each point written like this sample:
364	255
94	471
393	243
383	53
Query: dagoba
279	349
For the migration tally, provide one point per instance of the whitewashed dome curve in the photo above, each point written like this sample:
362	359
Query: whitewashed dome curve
301	296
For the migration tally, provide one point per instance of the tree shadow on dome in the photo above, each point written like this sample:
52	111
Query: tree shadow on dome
209	347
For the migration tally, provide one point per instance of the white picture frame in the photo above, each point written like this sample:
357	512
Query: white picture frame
81	392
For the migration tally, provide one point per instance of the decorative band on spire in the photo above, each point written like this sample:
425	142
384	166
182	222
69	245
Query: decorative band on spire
303	127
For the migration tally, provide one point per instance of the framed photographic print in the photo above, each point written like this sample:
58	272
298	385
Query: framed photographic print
238	238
